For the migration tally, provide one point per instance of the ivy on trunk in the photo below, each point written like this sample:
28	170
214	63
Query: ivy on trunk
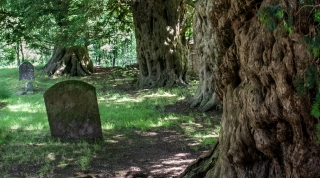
266	127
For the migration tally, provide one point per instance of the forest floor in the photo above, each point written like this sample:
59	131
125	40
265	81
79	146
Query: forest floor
163	153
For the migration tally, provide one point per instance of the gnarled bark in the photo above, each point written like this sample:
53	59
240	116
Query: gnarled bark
267	129
205	97
161	54
74	61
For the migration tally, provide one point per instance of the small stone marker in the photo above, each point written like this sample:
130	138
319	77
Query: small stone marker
26	71
73	111
29	87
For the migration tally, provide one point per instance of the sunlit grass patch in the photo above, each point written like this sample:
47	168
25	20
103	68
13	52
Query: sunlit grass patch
25	139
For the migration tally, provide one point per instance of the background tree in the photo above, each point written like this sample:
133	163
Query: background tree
205	97
261	51
161	53
69	26
71	54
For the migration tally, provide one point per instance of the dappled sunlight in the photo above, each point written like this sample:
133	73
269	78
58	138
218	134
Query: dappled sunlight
145	134
160	123
25	107
107	126
111	141
140	137
125	100
158	95
51	156
26	104
15	127
173	165
39	126
206	136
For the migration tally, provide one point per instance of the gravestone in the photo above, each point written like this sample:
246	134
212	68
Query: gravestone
26	71
29	87
73	111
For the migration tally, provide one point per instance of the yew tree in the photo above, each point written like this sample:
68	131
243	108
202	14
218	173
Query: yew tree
70	55
263	57
68	26
159	37
206	98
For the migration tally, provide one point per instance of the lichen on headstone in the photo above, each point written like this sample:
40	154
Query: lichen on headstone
73	111
26	71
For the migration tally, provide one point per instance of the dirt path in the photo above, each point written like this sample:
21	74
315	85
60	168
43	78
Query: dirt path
142	154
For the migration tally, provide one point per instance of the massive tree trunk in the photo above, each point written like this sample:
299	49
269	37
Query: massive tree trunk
267	129
74	61
161	55
205	97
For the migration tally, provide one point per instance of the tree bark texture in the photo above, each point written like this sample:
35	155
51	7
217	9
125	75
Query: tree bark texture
205	97
267	129
161	55
74	61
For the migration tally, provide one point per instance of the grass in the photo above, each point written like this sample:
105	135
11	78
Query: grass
25	140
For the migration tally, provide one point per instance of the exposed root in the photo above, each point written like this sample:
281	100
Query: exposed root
203	164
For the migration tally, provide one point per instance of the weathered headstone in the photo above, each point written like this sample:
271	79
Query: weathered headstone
26	71
73	111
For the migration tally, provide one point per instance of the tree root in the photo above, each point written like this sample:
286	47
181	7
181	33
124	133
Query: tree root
203	164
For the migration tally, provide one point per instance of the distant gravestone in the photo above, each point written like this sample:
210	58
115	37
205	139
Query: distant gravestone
26	71
73	111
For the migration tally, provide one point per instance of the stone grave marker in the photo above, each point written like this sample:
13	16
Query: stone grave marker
26	71
73	111
29	87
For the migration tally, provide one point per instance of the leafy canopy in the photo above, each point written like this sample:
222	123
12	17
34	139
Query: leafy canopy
63	22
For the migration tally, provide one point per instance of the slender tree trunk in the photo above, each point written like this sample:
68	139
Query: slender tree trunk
22	54
161	56
18	54
114	56
73	61
267	129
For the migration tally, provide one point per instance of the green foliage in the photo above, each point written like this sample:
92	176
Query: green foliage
315	112
317	16
272	15
309	82
312	77
7	55
313	44
288	24
66	23
299	85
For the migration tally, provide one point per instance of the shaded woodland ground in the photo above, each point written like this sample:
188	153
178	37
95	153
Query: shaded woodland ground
165	153
161	152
